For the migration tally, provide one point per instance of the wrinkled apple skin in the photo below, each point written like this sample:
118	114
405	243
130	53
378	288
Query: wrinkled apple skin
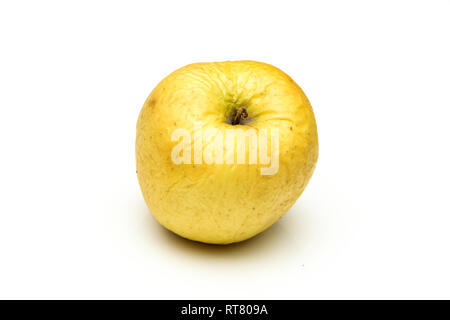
224	203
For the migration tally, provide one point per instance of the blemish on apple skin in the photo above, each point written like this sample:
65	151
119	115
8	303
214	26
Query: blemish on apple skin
290	128
152	102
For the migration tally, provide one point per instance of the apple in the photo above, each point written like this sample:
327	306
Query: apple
223	150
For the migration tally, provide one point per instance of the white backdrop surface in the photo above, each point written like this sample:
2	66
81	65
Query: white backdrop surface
373	223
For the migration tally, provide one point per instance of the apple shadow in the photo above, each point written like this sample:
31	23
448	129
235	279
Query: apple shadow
279	237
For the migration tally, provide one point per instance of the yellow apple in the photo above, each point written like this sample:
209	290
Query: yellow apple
204	193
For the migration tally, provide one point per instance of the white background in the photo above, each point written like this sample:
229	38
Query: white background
374	221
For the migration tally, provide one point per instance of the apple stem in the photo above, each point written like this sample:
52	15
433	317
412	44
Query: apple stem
241	114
